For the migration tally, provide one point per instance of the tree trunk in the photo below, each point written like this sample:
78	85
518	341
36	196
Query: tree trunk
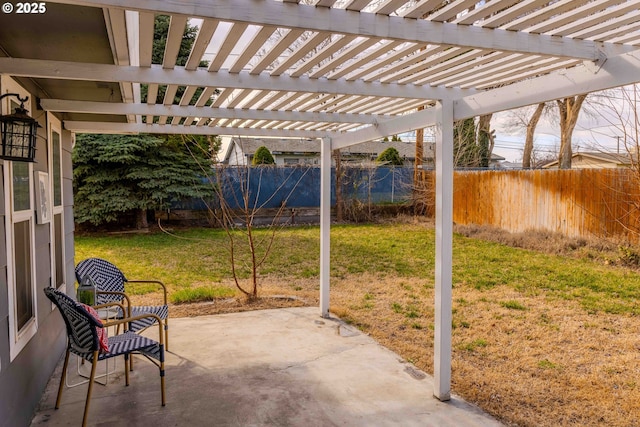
141	219
418	172
465	149
485	140
569	110
531	129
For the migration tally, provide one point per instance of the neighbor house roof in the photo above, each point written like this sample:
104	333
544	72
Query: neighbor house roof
595	158
305	146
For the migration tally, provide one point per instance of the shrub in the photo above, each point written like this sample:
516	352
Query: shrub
390	156
263	156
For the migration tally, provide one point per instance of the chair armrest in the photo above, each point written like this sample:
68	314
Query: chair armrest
123	295
112	304
164	288
140	317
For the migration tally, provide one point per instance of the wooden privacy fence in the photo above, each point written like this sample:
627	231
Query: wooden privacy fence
578	203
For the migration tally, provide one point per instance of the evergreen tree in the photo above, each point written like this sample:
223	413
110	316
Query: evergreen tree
390	156
116	174
262	156
160	32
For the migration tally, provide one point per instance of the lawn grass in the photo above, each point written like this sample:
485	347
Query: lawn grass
199	257
538	339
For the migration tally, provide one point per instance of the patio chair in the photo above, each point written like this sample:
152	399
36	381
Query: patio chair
110	283
83	340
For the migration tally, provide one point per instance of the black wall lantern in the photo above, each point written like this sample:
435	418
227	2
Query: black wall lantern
19	133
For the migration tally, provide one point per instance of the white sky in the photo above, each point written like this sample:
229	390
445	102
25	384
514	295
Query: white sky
592	133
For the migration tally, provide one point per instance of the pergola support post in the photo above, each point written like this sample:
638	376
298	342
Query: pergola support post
325	224
444	250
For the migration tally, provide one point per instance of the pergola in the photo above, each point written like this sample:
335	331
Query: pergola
340	71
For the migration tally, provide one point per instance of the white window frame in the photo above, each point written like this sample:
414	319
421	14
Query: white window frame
18	338
56	126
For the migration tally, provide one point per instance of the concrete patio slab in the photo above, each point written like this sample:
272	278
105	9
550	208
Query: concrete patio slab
284	367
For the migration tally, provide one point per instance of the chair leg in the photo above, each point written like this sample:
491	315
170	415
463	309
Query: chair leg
94	365
127	363
162	374
64	375
166	334
162	387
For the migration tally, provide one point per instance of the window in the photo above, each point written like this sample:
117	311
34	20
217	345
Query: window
57	232
24	287
19	225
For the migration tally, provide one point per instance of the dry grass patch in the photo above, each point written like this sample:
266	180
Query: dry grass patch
529	360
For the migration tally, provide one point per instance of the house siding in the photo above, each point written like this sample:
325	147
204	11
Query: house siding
23	379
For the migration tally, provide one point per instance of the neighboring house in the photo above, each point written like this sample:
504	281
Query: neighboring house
37	252
294	152
594	160
508	165
498	162
298	152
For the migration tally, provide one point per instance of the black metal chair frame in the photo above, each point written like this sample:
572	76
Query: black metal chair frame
83	341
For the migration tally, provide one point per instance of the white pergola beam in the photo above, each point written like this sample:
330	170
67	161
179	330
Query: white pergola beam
381	129
341	21
135	128
61	105
155	74
619	71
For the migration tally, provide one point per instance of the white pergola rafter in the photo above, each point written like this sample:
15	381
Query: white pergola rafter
352	22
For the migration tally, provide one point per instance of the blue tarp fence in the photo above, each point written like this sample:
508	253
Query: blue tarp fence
299	187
